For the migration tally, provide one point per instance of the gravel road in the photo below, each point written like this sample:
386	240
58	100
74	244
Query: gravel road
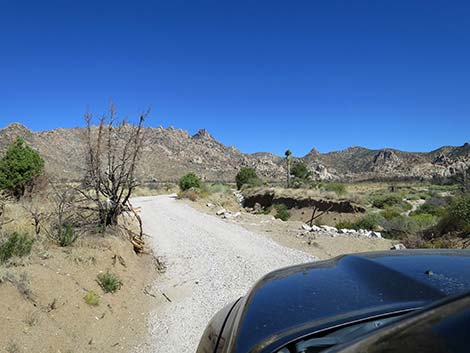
210	262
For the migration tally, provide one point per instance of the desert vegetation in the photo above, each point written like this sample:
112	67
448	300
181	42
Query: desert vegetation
419	214
247	177
20	169
87	228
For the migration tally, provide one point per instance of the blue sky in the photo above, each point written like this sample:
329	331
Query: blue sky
259	75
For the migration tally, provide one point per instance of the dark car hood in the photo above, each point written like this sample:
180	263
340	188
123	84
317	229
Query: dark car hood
362	284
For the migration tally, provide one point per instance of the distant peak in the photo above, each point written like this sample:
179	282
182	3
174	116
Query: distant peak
17	127
203	133
313	152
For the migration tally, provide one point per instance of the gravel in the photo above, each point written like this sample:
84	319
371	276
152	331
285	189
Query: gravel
210	263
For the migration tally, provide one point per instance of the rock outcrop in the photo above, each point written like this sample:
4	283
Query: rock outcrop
169	153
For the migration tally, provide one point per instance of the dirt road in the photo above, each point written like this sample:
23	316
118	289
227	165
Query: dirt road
210	263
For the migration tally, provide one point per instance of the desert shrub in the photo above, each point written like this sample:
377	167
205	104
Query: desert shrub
217	188
17	244
423	221
369	221
410	225
338	188
109	282
281	212
390	200
189	181
301	171
91	298
19	168
390	213
456	217
267	210
247	176
459	209
65	235
429	208
191	194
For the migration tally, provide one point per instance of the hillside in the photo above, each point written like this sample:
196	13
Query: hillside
169	153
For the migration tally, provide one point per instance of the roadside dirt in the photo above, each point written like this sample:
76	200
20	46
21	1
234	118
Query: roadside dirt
286	233
42	302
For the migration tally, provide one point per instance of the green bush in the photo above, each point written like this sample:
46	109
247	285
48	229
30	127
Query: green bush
387	200
390	200
17	244
109	282
369	222
189	181
456	217
247	176
338	188
429	208
65	235
281	212
410	225
423	221
390	213
459	209
91	298
301	171
19	168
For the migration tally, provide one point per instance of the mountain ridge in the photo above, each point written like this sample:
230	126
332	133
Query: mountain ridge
169	153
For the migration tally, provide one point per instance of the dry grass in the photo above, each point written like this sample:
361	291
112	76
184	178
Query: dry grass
17	219
146	190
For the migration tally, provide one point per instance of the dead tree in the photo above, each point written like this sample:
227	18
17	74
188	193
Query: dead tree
38	216
112	156
69	216
316	215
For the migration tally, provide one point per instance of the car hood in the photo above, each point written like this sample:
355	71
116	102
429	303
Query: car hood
348	286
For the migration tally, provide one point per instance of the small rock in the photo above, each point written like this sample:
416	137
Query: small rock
236	215
315	228
257	208
306	227
398	247
221	212
329	229
210	205
375	235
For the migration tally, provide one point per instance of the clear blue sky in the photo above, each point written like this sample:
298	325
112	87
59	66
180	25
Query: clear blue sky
260	75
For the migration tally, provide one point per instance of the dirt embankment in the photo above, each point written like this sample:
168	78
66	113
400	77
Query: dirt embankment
42	304
268	198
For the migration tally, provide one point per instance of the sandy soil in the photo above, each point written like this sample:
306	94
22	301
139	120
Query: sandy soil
42	307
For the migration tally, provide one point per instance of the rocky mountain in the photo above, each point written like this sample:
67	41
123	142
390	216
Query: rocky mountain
169	153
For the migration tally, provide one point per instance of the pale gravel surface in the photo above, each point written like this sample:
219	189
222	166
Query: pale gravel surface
210	262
